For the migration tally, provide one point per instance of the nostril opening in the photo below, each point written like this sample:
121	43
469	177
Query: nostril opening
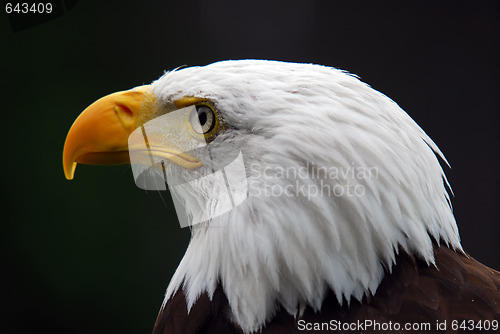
124	111
125	115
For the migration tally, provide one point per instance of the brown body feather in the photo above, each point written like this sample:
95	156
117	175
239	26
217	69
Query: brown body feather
459	289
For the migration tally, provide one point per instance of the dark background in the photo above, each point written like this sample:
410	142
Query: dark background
95	255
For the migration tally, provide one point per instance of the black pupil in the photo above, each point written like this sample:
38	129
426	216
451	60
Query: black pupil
202	115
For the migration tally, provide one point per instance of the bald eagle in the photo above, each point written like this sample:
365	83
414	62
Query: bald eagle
336	217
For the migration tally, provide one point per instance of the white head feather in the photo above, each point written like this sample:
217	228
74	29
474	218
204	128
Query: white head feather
304	128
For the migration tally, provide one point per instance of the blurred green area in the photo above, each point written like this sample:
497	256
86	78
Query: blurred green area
95	255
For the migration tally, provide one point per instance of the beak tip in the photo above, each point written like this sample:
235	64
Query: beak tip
69	171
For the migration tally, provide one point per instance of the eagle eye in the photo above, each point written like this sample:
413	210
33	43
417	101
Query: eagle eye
203	119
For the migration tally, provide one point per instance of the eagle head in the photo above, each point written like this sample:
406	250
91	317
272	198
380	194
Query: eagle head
296	179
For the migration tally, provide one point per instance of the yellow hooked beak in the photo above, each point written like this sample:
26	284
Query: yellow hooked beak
99	136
